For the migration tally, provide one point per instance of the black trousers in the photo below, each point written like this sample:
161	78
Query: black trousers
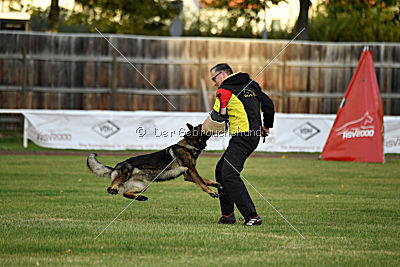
227	173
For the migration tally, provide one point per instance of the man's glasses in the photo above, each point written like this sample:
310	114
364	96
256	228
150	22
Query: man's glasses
215	77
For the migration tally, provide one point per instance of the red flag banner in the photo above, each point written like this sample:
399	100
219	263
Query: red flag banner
357	133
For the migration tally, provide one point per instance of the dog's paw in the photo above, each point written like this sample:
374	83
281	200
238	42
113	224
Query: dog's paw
216	185
213	194
112	191
141	198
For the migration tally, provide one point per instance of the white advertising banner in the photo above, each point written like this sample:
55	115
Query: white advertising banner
298	133
143	130
392	134
111	130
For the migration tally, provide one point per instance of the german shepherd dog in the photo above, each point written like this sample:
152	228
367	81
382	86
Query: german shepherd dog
133	175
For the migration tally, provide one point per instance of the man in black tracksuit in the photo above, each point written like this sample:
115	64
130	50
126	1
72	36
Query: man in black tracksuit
239	99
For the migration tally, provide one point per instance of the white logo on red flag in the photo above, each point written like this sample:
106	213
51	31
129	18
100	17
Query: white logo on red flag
361	127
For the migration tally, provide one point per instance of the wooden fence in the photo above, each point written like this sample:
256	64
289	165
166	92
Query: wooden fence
84	71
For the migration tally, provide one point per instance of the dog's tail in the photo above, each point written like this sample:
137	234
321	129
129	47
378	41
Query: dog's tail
97	168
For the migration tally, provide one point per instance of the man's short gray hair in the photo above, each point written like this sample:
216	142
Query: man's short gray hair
222	67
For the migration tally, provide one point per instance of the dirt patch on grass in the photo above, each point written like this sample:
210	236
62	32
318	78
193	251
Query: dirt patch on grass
131	154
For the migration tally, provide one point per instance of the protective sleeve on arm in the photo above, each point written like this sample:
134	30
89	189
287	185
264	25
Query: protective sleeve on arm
225	96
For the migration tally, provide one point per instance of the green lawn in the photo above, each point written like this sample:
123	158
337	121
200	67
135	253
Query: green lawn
52	208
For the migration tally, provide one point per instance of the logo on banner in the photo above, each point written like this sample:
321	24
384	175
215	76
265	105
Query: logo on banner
106	129
361	127
392	142
53	137
306	131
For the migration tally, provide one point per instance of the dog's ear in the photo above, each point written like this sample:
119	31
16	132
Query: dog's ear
189	126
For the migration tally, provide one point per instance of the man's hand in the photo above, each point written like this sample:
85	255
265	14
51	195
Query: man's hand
264	132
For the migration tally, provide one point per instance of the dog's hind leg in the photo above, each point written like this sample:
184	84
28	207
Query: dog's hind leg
134	186
132	195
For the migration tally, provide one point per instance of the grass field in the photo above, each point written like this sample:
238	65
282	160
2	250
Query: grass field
52	208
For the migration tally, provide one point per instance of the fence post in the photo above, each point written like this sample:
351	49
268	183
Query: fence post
114	80
23	95
200	88
249	59
24	73
284	95
204	92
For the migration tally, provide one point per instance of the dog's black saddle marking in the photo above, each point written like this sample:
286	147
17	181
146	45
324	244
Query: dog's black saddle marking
191	151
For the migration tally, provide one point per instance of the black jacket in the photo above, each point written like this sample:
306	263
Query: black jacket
245	103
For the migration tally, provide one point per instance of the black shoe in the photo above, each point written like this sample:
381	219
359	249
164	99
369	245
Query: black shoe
253	221
227	219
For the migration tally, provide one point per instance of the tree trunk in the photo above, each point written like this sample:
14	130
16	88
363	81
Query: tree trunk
54	16
302	21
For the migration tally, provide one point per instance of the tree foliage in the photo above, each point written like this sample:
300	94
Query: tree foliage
335	20
67	23
357	20
240	19
148	17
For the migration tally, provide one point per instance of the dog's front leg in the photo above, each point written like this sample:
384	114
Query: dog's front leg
206	181
212	183
195	177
